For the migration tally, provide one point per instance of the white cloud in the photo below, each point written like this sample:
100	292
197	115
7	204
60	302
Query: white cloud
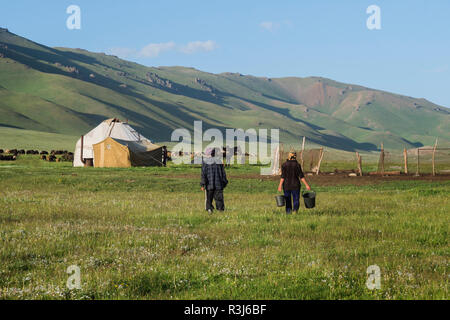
288	23
153	50
121	52
272	26
269	25
440	69
198	46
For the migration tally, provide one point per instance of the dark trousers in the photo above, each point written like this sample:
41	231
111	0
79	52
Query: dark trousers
292	196
217	195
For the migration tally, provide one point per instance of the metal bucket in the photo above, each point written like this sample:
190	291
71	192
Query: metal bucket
281	201
310	199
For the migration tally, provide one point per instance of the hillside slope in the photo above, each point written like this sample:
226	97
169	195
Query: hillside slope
68	91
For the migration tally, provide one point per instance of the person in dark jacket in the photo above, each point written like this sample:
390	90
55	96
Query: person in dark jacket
213	180
291	175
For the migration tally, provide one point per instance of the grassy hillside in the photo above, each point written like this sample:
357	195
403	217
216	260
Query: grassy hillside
68	91
30	140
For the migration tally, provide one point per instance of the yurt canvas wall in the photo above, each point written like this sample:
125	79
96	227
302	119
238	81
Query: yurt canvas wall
120	153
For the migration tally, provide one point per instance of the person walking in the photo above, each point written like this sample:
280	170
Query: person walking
291	175
213	180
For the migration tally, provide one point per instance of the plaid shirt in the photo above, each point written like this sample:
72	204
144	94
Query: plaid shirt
213	176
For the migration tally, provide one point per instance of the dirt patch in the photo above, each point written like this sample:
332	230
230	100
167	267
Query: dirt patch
324	179
344	179
331	180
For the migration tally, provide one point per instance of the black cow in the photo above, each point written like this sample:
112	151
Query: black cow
11	151
8	158
67	157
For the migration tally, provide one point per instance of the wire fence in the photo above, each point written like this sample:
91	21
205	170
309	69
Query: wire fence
419	161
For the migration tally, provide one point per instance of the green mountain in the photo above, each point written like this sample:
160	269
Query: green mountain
65	92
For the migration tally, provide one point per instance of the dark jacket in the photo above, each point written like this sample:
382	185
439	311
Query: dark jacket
213	176
291	172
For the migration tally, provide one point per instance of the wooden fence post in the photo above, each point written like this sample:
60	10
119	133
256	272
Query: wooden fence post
432	159
405	159
418	163
359	163
276	162
301	154
382	159
320	160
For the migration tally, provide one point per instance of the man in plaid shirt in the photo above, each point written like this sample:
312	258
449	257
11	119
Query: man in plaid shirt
213	180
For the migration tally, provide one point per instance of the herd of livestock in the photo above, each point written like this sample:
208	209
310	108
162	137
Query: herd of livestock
52	156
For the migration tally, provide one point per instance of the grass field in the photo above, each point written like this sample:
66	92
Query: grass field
142	233
13	138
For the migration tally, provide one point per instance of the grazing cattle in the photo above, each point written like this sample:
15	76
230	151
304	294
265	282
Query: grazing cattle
43	157
1	151
67	156
8	158
44	152
21	151
51	158
11	151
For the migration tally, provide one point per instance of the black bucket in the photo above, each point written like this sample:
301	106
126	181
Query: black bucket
281	201
310	199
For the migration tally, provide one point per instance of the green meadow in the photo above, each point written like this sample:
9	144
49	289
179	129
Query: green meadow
142	233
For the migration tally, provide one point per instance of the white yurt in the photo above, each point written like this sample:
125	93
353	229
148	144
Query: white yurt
117	144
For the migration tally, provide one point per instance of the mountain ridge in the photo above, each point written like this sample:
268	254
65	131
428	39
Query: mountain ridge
68	91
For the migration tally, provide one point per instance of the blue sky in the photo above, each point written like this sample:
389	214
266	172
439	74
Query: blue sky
410	54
